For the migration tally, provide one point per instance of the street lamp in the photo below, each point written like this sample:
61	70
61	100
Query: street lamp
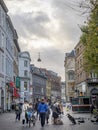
39	59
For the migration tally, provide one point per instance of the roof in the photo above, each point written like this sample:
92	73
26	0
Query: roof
71	54
3	6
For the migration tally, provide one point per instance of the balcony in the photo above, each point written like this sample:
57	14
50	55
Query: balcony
92	81
71	81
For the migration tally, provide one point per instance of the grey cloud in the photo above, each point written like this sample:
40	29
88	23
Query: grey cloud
14	0
68	13
52	59
42	17
34	24
31	24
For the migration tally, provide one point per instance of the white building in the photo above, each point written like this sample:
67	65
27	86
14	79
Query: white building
3	12
24	74
6	55
7	58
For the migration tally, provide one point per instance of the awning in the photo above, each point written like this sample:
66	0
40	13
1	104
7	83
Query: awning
12	84
15	93
15	90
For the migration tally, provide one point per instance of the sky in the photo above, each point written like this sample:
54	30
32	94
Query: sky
48	27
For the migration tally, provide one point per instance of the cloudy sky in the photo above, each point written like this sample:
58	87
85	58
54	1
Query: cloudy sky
50	27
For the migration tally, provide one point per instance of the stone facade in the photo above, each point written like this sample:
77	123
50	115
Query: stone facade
63	91
80	75
86	84
70	75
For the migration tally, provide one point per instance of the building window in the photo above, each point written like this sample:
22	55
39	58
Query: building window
71	75
25	63
77	51
2	63
3	19
80	62
25	73
2	40
25	86
9	67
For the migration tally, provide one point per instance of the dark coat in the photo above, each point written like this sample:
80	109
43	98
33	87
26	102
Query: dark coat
18	109
56	112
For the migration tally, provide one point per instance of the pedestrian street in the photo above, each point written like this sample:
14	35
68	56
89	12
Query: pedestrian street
7	122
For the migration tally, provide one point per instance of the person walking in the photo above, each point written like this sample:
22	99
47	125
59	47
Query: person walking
47	112
61	107
55	113
24	109
36	109
92	107
42	108
96	101
29	113
18	111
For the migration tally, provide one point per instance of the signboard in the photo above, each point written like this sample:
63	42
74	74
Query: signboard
17	82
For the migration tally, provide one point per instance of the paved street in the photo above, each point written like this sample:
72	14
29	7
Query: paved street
7	122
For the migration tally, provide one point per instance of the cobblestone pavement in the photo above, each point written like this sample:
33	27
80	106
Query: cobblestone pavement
7	122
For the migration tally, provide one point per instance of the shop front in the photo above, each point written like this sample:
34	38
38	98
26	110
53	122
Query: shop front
11	95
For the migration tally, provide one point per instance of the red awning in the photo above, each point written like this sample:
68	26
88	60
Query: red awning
15	94
15	91
12	84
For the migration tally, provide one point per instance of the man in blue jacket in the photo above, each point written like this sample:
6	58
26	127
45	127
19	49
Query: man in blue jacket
42	108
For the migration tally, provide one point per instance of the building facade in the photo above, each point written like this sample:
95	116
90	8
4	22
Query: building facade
24	76
69	65
16	53
86	83
63	97
3	13
7	44
38	83
80	73
55	86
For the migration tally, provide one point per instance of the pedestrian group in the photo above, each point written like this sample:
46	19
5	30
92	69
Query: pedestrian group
42	108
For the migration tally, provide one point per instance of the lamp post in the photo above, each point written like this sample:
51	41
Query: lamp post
39	59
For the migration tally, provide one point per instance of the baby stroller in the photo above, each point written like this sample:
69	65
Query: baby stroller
31	118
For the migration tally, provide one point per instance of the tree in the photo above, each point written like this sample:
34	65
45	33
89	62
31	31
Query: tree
89	39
